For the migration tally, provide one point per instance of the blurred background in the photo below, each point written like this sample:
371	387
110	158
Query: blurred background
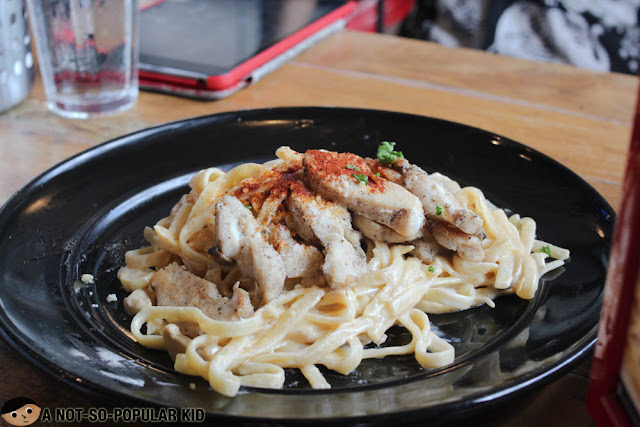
600	35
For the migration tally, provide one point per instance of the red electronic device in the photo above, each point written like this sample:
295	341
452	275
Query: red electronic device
212	48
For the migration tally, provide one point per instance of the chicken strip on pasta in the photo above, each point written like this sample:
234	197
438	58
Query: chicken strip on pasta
345	179
438	201
174	286
300	260
344	259
425	246
468	247
239	238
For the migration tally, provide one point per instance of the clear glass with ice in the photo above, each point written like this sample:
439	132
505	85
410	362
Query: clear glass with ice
88	54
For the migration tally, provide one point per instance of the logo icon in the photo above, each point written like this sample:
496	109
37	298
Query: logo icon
20	411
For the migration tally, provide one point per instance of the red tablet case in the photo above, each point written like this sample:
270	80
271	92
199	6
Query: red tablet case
251	70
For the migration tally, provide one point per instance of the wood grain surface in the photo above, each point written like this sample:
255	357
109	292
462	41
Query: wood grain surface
580	118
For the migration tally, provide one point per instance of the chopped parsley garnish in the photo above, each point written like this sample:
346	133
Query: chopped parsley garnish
377	173
247	205
438	210
352	167
361	178
431	269
386	155
546	250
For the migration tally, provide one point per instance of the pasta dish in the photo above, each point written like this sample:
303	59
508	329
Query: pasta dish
307	261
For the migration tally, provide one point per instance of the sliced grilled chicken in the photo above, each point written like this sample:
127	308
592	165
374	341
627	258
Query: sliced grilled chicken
385	171
177	287
438	201
376	231
346	179
468	247
300	260
426	247
238	238
344	260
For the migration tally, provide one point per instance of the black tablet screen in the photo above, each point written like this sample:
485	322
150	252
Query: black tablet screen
213	36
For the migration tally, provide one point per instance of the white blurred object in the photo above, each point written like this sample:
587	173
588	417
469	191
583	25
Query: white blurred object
16	58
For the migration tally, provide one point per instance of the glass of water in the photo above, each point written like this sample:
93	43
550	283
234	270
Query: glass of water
88	54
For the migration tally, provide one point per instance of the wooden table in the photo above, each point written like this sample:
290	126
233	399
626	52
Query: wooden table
580	118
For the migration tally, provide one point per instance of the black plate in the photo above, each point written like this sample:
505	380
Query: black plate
82	215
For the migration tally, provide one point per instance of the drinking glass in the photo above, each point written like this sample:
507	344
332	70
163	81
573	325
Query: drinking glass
87	53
